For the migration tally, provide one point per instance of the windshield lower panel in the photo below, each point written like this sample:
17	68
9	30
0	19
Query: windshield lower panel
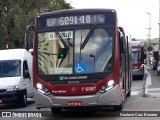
62	52
10	68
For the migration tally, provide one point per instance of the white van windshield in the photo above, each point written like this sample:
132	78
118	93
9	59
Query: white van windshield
10	68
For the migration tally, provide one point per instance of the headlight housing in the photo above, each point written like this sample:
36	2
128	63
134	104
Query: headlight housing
42	89
109	85
13	88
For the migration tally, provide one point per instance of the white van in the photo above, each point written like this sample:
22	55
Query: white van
16	83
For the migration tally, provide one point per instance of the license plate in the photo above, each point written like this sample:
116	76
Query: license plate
74	103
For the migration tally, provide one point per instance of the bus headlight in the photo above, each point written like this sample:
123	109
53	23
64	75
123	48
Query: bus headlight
110	82
12	88
107	86
42	89
39	86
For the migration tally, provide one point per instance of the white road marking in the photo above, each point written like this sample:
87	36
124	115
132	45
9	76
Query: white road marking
134	92
148	81
154	89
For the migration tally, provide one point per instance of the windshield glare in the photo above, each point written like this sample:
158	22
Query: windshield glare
65	56
10	68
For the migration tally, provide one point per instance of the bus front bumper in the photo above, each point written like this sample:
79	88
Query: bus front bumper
111	97
138	72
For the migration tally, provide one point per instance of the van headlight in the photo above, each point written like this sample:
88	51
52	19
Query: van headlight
109	85
12	88
42	89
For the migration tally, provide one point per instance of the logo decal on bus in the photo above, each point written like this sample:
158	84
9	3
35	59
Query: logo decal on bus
73	77
74	89
61	77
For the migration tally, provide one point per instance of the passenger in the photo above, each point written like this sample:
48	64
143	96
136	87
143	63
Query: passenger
154	64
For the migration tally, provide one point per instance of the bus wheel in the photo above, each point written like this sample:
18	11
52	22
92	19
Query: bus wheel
56	110
118	107
23	100
129	93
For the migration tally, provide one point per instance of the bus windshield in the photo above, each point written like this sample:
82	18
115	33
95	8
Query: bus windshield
136	55
10	68
79	51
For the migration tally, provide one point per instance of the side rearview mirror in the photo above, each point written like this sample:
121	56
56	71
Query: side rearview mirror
26	74
30	51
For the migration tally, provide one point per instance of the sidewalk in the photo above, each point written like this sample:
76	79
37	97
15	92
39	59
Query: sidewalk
152	84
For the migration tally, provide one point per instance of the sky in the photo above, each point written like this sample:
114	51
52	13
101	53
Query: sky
132	14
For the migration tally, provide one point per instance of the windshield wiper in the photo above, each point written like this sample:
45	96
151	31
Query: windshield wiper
63	51
47	53
60	37
88	37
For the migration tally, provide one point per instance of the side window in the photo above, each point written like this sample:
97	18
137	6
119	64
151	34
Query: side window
120	47
122	44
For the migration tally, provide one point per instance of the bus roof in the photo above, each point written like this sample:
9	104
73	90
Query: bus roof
70	11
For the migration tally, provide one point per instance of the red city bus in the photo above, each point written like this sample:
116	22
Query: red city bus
81	58
138	57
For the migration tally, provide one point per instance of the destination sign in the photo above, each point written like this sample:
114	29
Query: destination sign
76	20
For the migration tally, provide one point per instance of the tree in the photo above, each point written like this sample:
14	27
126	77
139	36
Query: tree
15	15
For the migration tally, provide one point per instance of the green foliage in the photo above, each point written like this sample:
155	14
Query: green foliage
145	44
15	15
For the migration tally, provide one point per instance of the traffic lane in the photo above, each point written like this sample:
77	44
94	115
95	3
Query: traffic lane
152	86
132	103
135	101
137	88
143	95
16	107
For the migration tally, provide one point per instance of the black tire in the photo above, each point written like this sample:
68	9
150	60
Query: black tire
56	110
129	93
23	102
118	107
